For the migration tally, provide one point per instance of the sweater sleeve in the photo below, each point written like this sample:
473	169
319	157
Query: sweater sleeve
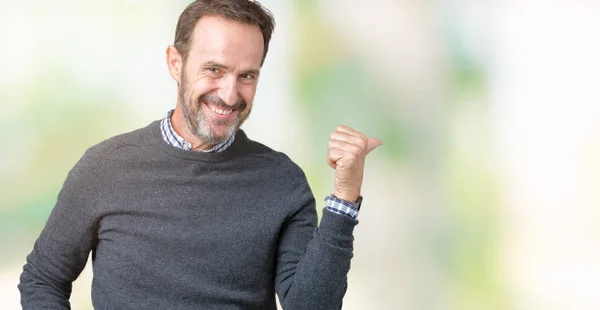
61	251
313	264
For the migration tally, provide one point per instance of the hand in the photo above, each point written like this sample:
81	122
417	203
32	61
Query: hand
346	154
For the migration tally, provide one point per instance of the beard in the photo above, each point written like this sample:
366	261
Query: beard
203	126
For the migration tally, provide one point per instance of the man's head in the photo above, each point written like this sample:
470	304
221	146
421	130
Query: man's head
220	46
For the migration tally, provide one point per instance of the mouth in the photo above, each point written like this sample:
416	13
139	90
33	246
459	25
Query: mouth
219	112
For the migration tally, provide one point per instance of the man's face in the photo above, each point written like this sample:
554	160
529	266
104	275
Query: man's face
219	77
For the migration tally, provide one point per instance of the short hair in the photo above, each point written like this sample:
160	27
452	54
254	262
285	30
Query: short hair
248	12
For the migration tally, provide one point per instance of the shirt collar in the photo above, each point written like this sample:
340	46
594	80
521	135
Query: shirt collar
172	138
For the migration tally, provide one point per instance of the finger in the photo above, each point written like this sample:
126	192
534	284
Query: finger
331	163
348	138
351	131
373	143
339	158
333	155
348	148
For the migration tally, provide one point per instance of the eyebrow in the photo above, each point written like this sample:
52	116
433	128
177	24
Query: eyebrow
215	64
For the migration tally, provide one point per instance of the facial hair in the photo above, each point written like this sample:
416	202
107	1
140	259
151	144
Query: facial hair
201	125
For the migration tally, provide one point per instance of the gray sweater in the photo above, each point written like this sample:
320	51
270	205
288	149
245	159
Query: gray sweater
175	229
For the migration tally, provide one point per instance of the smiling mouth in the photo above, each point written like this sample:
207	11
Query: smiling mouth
218	110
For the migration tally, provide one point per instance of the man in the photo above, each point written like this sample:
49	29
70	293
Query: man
188	212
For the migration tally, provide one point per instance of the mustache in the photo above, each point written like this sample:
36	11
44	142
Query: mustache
240	104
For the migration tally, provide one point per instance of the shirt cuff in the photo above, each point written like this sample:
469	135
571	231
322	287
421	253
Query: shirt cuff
341	207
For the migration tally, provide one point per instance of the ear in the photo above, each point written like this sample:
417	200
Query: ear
174	63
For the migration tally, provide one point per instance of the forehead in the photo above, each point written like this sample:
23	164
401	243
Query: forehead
227	42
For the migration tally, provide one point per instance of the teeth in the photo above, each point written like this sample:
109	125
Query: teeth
220	111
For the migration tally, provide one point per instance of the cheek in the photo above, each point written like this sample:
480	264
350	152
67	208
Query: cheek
247	93
200	87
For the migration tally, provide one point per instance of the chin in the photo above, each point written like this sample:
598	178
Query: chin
216	135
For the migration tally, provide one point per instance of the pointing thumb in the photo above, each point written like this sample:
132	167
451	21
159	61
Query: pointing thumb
372	144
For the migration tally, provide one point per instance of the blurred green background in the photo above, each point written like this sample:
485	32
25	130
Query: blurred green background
485	194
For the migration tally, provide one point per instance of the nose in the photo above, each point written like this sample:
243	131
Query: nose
228	91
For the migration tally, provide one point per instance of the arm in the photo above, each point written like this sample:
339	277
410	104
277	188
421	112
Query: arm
61	251
315	276
312	274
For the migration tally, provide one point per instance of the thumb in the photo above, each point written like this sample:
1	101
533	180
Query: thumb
372	144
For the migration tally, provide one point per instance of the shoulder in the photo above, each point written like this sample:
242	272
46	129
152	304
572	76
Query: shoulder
275	159
94	156
141	137
282	175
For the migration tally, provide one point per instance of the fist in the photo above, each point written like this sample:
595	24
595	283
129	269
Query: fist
347	150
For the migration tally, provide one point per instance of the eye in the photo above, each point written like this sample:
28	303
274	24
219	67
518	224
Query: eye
248	76
212	70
